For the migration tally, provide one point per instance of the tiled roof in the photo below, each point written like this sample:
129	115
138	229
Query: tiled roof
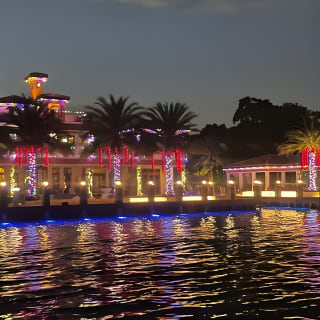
36	75
265	160
13	99
53	96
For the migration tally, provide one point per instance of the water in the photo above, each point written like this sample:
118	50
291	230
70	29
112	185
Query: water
235	266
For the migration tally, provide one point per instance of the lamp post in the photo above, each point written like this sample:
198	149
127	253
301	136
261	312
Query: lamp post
257	189
278	188
150	191
46	194
118	193
3	196
204	190
179	191
83	194
300	186
231	189
15	196
211	188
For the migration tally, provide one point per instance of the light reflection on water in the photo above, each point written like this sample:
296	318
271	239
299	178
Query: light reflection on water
234	266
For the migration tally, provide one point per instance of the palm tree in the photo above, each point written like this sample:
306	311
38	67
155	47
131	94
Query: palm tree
307	142
34	128
111	124
171	125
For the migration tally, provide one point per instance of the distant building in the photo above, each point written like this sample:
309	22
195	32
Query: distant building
268	169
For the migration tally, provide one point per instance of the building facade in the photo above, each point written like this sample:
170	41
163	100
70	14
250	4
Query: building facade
269	170
64	173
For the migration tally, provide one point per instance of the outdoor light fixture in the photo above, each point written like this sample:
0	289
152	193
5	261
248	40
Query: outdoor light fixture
117	183
83	183
45	183
299	181
230	182
150	183
204	182
3	184
15	189
257	182
211	183
179	182
278	182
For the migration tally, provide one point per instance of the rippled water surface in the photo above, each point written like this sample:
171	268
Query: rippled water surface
233	266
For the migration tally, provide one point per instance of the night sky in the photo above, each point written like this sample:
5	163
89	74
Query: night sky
206	53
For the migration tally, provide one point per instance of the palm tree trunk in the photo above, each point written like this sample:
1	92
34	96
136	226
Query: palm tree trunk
139	181
116	168
32	174
312	171
169	174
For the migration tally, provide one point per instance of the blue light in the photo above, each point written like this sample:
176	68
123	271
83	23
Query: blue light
87	219
50	221
155	215
5	223
285	208
122	217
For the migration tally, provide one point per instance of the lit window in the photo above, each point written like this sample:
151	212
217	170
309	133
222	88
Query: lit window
13	136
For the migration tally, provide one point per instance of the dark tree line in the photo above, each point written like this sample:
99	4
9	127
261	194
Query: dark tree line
259	127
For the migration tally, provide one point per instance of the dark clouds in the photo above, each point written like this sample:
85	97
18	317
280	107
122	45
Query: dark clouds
214	5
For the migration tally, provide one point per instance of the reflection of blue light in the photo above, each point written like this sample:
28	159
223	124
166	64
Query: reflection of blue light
285	208
165	217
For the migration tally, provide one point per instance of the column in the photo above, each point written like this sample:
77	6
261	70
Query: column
253	178
50	176
75	178
162	182
283	178
267	180
61	182
106	177
241	181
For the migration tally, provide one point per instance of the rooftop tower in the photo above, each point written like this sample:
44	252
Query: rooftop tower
35	81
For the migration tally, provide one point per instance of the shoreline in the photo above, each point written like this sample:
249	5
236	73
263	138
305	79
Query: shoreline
72	212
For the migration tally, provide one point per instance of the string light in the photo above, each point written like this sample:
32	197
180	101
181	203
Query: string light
183	178
32	172
13	183
169	174
116	166
312	171
90	182
139	181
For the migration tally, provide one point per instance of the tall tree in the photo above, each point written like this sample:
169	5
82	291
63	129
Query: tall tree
306	139
171	124
112	123
35	129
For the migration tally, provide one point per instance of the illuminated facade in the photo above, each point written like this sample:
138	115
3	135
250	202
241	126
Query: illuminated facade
64	174
270	170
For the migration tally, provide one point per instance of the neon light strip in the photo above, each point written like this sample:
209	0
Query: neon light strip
192	198
265	167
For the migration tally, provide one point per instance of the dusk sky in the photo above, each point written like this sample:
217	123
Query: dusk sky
206	53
